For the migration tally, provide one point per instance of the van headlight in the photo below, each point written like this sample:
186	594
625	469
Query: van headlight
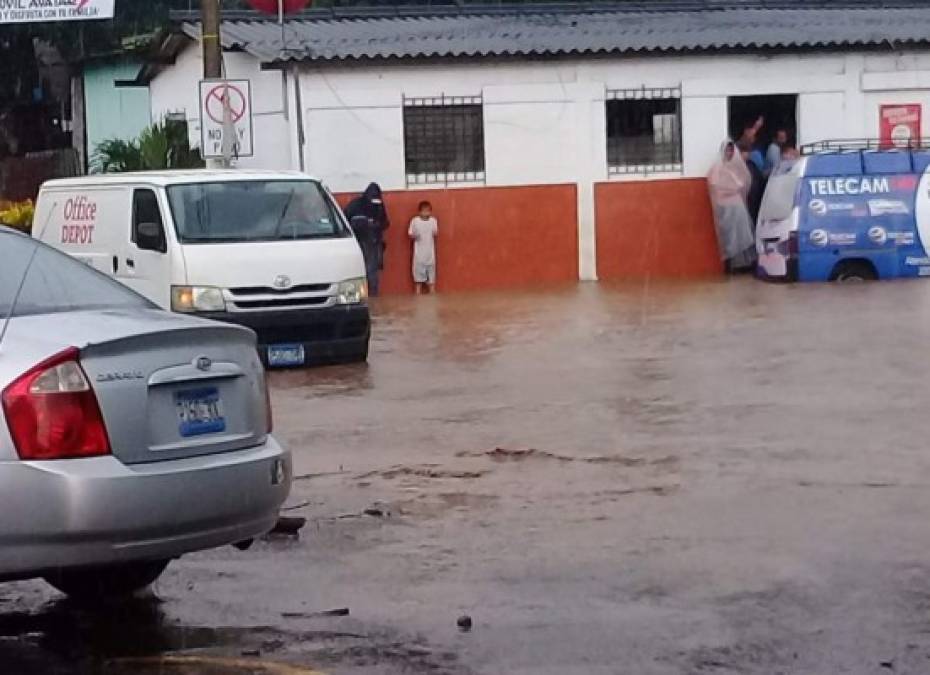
352	292
197	299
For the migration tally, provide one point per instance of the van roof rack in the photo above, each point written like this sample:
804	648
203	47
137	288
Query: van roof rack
864	144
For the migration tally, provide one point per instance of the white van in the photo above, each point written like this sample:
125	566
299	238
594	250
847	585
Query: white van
267	250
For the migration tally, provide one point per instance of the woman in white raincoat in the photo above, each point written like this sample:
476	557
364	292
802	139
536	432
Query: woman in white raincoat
729	181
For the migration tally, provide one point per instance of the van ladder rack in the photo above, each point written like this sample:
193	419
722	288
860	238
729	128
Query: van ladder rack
861	144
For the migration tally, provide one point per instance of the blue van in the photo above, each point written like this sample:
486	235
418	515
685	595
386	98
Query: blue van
847	215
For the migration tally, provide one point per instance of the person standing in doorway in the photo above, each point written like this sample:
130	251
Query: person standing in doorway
729	182
773	155
757	183
747	146
371	205
749	134
423	231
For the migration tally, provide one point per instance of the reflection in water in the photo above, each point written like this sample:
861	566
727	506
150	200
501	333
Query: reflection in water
705	364
63	637
328	380
467	327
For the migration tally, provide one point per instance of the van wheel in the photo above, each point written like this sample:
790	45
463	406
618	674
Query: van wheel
113	582
853	271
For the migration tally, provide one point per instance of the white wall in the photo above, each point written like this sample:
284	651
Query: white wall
530	134
354	124
176	90
544	121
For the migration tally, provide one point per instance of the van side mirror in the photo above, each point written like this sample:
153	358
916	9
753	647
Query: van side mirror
150	237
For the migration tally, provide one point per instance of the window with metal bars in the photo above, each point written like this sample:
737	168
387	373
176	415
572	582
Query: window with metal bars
444	139
644	130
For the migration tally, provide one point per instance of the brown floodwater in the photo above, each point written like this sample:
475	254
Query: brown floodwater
654	478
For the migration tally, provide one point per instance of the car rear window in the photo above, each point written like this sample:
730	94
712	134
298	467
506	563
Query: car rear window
54	282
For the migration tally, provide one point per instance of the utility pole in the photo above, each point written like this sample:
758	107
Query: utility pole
213	67
210	36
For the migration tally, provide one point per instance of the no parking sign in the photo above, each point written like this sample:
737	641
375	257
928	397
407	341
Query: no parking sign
225	118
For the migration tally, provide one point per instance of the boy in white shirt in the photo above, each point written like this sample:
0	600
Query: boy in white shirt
423	230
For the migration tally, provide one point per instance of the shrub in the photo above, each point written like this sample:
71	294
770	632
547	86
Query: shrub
19	215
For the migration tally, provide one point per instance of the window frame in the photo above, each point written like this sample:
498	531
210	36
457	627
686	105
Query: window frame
444	178
134	231
643	93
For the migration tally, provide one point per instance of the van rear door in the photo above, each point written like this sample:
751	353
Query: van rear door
776	230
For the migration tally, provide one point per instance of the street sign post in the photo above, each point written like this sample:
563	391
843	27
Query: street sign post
31	11
225	119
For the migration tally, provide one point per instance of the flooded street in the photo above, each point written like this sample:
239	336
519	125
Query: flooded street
728	477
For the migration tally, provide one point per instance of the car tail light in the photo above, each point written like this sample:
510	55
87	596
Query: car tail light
52	411
269	420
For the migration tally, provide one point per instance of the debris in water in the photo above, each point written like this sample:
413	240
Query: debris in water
423	471
376	512
298	505
511	455
464	623
342	611
251	652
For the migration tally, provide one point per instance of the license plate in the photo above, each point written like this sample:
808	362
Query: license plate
200	411
286	355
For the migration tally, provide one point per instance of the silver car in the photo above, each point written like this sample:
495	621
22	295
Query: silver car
128	435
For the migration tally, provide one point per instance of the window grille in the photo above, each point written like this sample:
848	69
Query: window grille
444	139
644	130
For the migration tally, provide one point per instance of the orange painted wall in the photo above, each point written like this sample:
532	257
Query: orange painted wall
656	229
489	237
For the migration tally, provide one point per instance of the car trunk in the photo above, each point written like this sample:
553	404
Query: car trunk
201	387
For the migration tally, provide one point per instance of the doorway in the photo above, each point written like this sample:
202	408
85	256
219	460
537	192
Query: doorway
780	111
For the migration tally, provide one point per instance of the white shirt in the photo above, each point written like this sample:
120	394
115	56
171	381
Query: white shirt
424	240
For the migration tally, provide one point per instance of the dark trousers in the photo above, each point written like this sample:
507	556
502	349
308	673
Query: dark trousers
372	254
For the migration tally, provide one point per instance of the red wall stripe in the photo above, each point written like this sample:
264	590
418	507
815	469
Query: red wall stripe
489	237
659	229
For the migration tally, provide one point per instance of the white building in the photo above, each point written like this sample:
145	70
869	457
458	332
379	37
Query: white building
554	143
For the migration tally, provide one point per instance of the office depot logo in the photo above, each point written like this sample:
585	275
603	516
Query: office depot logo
80	219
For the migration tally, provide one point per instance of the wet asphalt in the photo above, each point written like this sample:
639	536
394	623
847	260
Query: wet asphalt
720	477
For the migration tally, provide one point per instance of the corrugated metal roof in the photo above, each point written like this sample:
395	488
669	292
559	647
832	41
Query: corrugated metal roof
657	26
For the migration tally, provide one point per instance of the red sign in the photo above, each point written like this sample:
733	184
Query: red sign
225	96
273	6
899	125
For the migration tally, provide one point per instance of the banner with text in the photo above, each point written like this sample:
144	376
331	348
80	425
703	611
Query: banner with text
34	11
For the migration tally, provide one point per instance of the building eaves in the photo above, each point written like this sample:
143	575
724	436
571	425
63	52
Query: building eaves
657	26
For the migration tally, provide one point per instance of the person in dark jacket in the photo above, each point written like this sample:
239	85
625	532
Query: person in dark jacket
756	190
370	205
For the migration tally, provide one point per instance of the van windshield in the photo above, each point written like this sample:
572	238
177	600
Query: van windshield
779	196
253	210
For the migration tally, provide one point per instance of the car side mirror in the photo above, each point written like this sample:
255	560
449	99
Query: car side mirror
150	237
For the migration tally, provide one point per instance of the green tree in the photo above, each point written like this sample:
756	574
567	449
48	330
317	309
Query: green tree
164	145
